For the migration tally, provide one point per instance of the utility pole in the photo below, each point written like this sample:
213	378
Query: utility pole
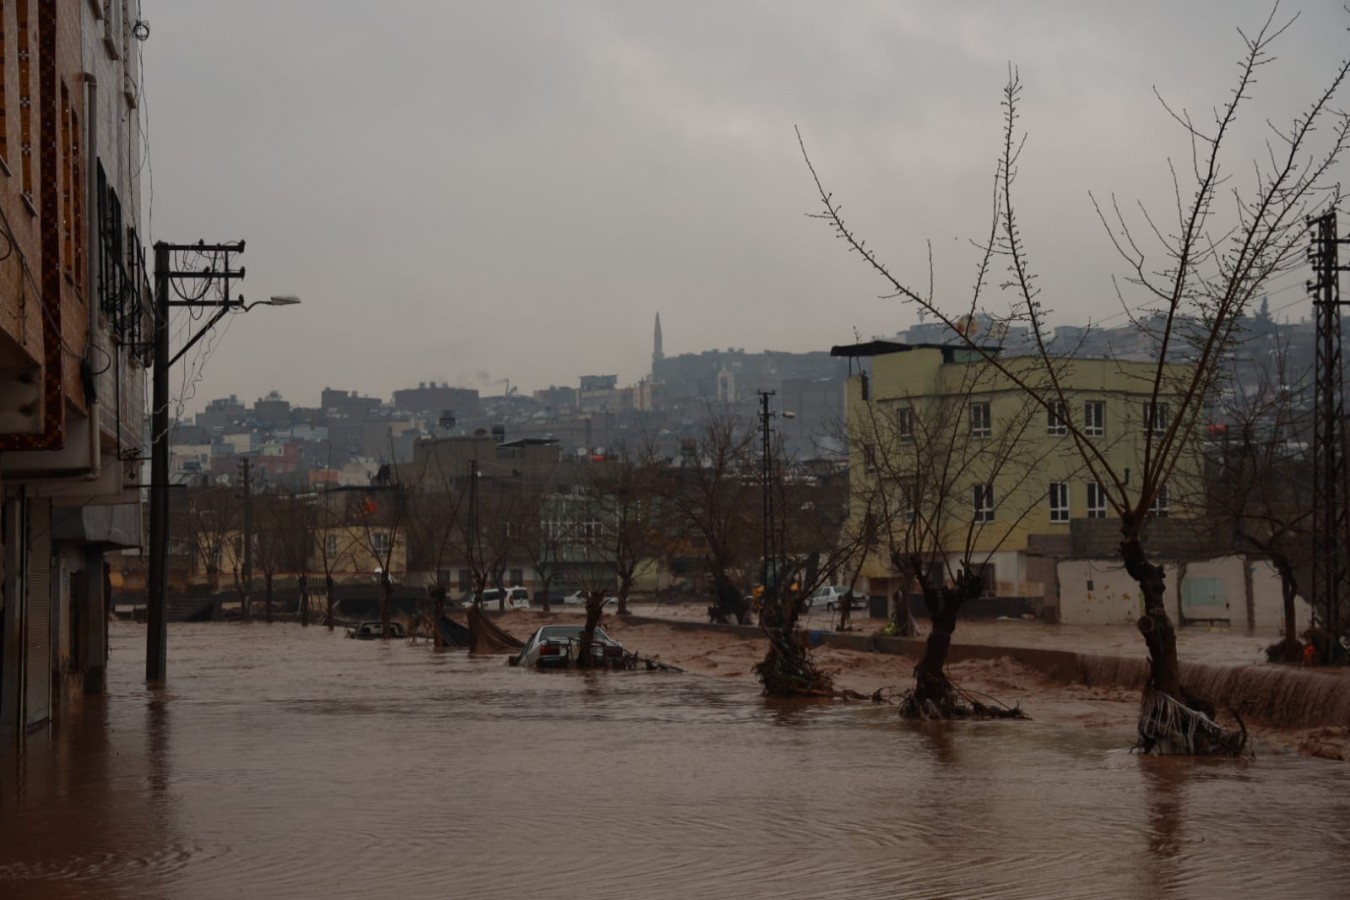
157	601
766	472
1331	493
245	473
215	273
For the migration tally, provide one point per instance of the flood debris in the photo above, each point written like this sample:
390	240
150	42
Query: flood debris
486	636
938	697
1168	727
788	670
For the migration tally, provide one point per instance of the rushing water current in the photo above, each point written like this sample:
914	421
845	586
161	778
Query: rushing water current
289	762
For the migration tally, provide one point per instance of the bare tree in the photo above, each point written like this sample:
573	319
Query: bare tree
711	499
380	514
1259	472
212	519
624	486
948	476
326	522
281	540
435	504
1188	283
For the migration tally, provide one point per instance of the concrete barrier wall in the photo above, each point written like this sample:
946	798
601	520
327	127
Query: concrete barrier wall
1099	592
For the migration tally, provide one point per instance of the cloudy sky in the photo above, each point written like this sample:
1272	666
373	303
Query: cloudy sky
479	191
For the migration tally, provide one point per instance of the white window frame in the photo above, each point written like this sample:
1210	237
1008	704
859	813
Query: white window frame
1094	418
1059	501
1162	502
1057	419
1096	501
982	497
909	499
330	545
981	419
869	454
380	542
904	423
1155	418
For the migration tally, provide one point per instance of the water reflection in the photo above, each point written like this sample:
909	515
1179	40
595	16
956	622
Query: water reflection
286	762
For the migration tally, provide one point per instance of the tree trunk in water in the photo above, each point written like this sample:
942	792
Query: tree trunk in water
267	594
730	604
1291	647
1155	625
595	602
303	587
437	612
386	588
931	685
328	602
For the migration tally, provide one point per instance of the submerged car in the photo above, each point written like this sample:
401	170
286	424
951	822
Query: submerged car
559	646
373	631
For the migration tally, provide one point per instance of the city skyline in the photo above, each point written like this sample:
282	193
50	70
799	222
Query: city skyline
479	191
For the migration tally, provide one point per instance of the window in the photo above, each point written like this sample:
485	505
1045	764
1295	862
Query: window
1059	501
517	576
590	532
981	421
27	101
1162	502
1096	501
983	495
379	542
909	499
904	423
465	580
1057	418
869	458
1155	418
330	545
1094	418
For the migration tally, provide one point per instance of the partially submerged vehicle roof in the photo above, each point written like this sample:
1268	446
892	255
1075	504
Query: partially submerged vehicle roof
567	631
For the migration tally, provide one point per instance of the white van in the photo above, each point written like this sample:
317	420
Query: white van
515	598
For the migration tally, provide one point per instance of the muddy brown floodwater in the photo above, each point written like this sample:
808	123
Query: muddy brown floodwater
283	762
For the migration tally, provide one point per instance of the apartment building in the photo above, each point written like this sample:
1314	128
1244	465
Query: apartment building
941	437
74	325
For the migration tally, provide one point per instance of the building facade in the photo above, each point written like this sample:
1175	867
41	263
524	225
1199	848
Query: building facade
74	328
948	452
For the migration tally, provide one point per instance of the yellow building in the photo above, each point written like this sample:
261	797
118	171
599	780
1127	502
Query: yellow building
939	436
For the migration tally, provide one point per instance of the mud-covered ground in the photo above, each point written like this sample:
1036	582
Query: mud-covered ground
1110	709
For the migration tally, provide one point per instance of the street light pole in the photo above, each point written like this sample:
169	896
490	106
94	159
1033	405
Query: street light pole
157	598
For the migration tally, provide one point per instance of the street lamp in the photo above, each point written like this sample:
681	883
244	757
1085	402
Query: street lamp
157	601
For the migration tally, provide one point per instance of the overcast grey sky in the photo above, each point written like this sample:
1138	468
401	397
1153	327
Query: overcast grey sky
477	191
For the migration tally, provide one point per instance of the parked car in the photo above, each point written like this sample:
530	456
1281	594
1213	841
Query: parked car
515	598
557	647
834	596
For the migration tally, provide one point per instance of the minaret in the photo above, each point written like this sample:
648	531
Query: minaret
657	355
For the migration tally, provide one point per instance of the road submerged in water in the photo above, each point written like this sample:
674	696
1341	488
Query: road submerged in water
289	762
